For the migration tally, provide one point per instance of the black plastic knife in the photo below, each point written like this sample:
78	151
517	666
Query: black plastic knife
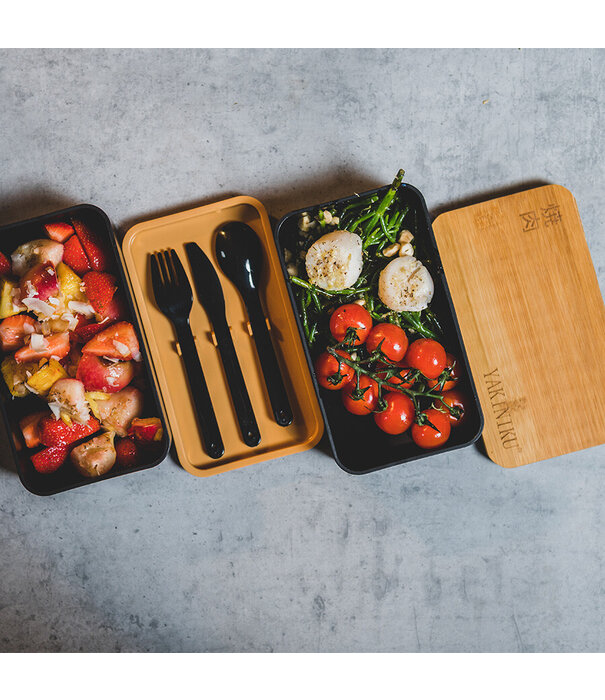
210	295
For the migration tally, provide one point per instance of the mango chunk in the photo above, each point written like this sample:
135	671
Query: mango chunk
69	283
7	305
42	381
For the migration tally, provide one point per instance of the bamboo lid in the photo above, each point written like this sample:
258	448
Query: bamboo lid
533	321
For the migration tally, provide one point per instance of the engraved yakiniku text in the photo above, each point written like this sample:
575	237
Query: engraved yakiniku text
501	410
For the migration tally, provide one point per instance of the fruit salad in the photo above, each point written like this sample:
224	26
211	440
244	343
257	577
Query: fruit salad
66	339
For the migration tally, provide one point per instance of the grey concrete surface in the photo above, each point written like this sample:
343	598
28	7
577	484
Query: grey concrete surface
448	554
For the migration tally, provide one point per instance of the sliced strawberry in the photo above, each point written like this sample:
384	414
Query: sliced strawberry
40	282
118	342
100	288
103	375
59	231
30	427
75	257
146	429
14	330
5	265
127	452
49	460
55	345
53	431
116	310
94	249
83	333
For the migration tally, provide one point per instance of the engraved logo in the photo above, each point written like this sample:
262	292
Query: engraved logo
501	409
549	216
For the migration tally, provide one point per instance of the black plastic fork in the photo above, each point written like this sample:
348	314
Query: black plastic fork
174	298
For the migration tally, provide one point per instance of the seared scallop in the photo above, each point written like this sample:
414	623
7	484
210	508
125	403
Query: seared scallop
334	261
405	285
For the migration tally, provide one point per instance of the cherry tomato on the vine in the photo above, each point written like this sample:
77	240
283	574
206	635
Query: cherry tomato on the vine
326	366
392	340
425	436
350	316
452	364
428	356
360	400
456	399
398	415
402	378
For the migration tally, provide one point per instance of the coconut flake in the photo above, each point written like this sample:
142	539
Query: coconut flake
55	407
29	328
136	356
38	342
81	307
110	359
55	301
121	348
29	388
40	308
56	358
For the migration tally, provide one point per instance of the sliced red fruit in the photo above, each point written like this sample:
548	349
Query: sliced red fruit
146	429
75	257
55	345
116	310
100	288
94	249
127	452
118	342
103	375
83	333
59	231
40	282
30	427
5	265
53	431
49	460
14	330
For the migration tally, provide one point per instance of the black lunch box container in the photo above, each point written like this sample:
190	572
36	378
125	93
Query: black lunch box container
13	409
358	446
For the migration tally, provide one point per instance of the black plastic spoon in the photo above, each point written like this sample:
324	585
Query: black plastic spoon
240	255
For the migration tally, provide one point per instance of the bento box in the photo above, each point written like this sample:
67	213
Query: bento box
476	245
14	409
357	444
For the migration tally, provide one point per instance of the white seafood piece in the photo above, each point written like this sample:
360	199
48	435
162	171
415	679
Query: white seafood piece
39	251
405	285
95	457
69	395
335	260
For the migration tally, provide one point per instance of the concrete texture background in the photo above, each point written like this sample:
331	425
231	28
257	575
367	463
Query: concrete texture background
448	554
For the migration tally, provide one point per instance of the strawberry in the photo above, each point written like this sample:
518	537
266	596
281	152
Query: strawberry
100	290
49	460
103	375
59	231
85	331
55	345
118	342
53	431
97	257
5	265
30	427
14	329
127	452
75	257
146	429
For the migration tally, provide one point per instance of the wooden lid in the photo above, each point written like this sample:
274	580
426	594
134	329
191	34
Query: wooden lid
533	321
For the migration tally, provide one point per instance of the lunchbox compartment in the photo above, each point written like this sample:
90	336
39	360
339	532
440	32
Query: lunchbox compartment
357	444
13	409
